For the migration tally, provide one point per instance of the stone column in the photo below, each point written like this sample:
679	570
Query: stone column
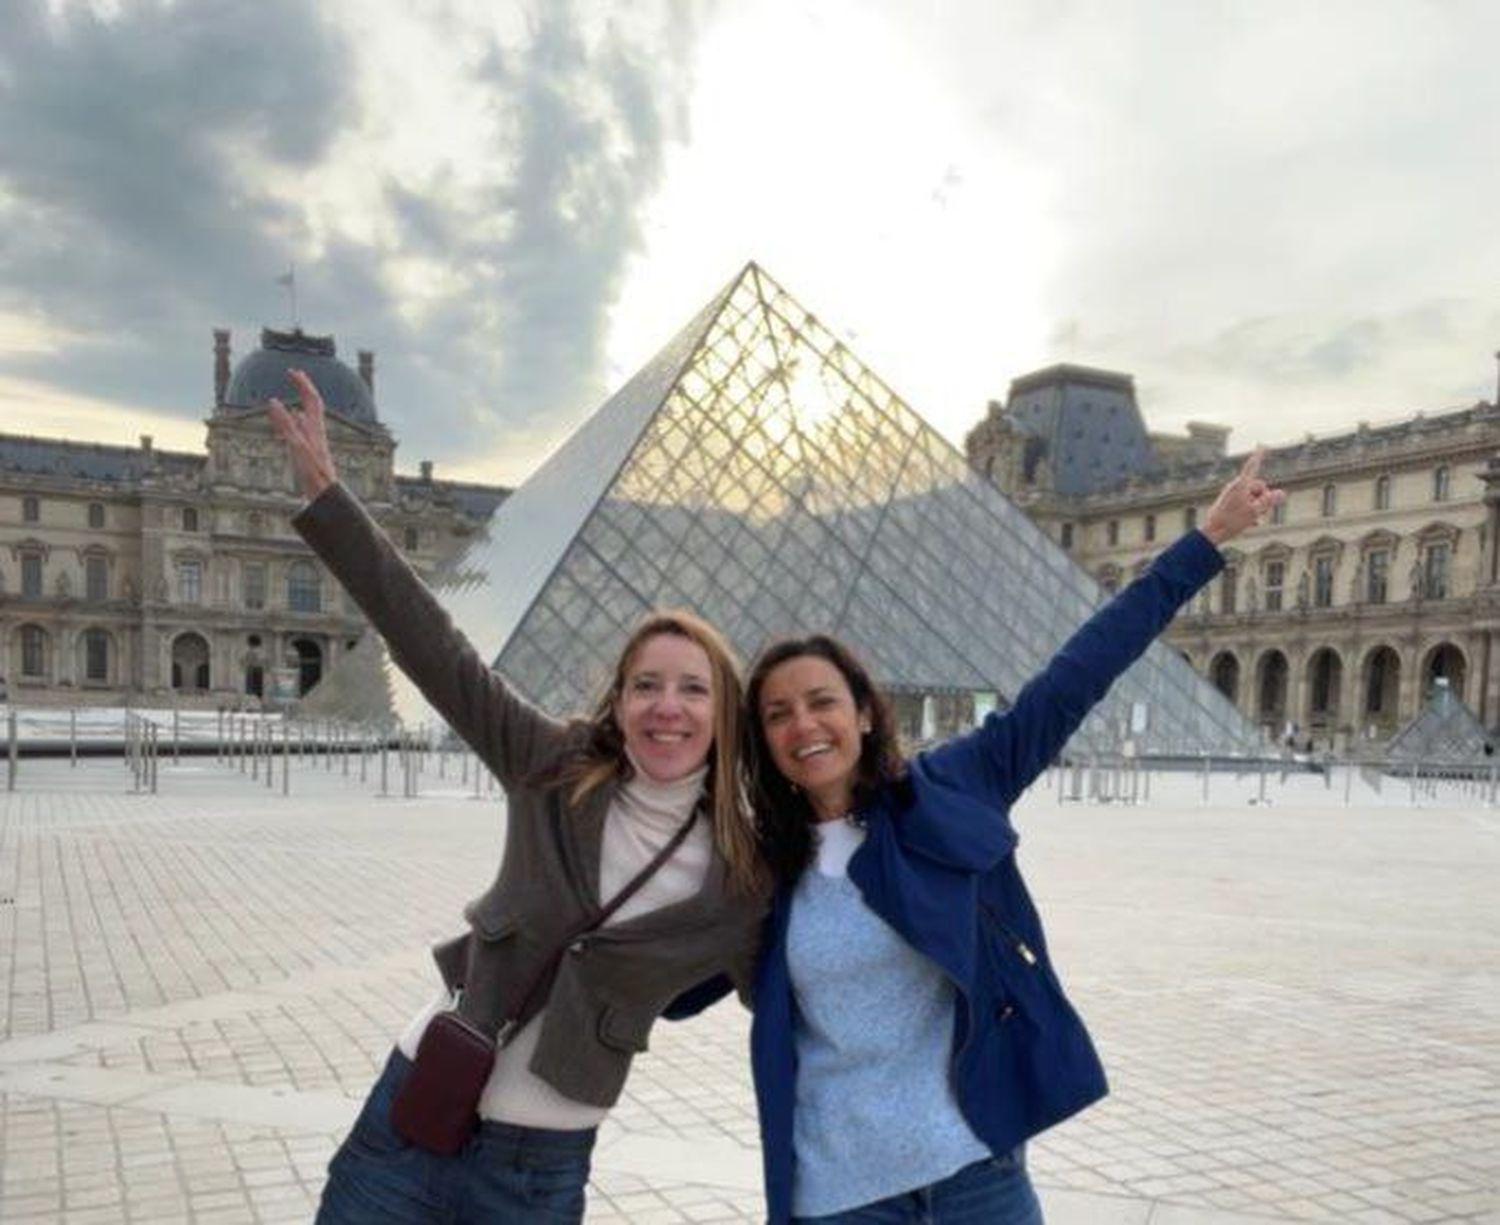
1409	697
1489	564
66	671
929	716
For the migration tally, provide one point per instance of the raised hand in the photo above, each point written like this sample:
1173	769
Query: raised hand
1242	502
305	433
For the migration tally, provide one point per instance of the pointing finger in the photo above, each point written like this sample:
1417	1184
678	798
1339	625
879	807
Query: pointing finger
1251	469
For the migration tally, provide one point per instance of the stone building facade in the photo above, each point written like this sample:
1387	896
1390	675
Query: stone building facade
142	575
1334	620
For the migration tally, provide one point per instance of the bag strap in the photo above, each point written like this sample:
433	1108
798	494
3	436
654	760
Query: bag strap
532	997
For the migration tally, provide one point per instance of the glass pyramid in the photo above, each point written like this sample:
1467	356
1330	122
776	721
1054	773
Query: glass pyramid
1445	733
758	473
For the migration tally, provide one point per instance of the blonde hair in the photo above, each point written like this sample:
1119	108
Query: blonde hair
603	758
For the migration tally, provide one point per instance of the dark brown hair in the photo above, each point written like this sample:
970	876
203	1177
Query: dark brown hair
783	815
603	757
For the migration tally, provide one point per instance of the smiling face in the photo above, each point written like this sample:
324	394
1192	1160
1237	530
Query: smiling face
665	707
814	730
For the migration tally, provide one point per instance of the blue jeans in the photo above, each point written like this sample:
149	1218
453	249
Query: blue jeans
519	1175
995	1191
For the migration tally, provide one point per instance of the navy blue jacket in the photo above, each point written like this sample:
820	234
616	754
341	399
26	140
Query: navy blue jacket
938	864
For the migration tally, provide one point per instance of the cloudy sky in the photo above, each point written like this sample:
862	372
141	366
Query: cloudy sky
1278	216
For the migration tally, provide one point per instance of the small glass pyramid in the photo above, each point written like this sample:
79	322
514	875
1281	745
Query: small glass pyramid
1445	733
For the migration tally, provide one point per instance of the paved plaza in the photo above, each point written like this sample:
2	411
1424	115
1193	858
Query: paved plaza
1298	1003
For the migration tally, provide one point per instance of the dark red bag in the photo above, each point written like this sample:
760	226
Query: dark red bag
438	1103
437	1106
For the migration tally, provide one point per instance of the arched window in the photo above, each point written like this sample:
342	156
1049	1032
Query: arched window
1440	483
31	510
1382	493
189	519
190	662
304	588
96	514
1330	501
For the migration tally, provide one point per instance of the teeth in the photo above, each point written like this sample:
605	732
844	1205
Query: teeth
670	736
812	750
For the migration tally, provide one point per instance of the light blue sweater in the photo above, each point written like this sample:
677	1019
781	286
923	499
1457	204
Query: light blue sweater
875	1114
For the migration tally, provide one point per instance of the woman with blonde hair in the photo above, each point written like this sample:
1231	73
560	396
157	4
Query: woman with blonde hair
629	874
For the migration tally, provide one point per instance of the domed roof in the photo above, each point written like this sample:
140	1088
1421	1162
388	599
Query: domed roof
264	373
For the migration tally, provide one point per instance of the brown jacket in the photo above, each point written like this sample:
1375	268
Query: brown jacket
608	992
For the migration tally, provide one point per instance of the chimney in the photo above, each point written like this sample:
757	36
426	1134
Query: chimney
1212	439
367	368
146	445
426	467
221	365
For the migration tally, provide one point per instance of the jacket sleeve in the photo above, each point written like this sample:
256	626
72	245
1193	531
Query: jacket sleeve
511	736
1010	748
739	977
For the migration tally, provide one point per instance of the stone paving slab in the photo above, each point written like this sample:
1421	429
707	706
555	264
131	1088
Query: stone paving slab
1298	1003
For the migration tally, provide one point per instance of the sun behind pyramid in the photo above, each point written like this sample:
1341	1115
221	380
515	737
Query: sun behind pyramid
757	472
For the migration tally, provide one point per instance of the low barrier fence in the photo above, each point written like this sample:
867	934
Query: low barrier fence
270	751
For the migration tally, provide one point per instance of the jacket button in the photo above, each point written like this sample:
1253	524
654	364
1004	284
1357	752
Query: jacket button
577	946
1004	1012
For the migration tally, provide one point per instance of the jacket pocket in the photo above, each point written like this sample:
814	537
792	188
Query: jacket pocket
625	1030
1020	978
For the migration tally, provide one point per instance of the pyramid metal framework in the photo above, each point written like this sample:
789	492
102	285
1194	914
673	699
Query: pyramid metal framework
758	473
1446	732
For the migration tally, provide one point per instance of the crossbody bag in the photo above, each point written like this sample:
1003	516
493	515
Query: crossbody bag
437	1106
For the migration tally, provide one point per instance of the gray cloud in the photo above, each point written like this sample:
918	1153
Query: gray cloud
130	214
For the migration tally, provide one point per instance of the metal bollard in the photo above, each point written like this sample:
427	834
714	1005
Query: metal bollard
12	752
72	737
1260	796
286	759
270	755
344	738
477	773
385	770
153	751
1207	766
176	739
255	752
1348	782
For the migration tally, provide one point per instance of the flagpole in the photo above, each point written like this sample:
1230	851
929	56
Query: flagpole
288	281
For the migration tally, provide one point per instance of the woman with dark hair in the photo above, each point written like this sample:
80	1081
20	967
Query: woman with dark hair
630	872
910	1034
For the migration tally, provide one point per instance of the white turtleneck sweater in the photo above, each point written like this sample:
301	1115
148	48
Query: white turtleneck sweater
641	820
